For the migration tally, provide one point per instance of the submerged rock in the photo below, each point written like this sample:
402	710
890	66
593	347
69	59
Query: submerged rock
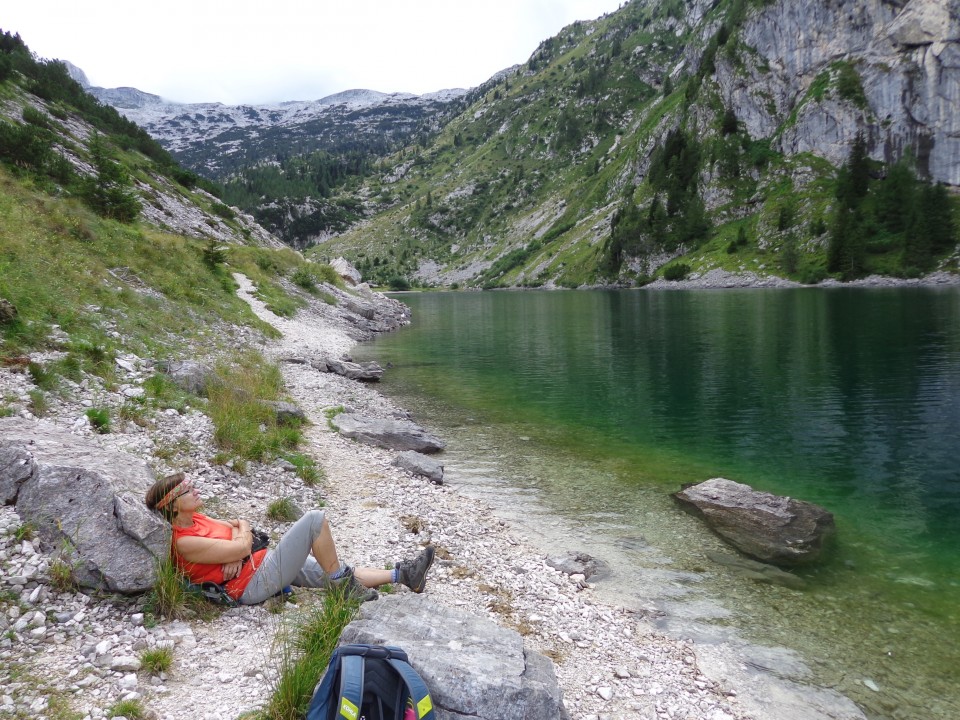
390	434
773	529
420	464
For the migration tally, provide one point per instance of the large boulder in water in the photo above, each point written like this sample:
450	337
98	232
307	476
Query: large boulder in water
473	667
774	529
389	434
86	503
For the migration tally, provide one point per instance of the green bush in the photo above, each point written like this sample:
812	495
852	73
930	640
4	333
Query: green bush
676	271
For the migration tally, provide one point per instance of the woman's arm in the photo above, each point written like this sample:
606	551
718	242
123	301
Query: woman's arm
216	552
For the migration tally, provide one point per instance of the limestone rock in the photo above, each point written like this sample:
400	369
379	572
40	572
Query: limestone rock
190	376
774	529
579	563
420	464
472	667
8	311
390	434
86	500
287	413
369	371
347	271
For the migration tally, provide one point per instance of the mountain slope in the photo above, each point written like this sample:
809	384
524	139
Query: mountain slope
706	130
217	139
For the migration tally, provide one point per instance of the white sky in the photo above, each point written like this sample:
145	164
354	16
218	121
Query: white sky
247	52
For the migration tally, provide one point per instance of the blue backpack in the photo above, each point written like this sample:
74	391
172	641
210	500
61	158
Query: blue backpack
374	682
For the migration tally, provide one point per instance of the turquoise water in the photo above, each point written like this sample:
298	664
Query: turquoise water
606	401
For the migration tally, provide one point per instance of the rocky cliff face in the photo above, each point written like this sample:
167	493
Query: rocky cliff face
906	56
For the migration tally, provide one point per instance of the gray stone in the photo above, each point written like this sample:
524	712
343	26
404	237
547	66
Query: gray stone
420	464
366	372
8	311
88	501
758	571
16	467
472	667
193	377
347	271
579	563
287	413
390	434
773	529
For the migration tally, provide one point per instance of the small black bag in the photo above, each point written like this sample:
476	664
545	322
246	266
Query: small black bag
260	540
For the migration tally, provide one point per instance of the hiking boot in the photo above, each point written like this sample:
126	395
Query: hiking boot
413	573
354	588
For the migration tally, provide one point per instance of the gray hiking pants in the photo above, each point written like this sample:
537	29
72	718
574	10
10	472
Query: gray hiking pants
290	563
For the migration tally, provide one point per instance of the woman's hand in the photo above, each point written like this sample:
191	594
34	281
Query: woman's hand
231	570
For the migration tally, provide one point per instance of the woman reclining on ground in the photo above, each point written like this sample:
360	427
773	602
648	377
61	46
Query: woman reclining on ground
210	550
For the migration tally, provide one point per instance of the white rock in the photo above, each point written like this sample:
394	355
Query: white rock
606	693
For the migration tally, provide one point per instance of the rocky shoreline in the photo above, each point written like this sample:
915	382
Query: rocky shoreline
718	279
67	647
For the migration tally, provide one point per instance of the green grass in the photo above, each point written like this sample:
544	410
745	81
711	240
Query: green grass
156	660
244	425
99	419
307	468
56	269
282	510
303	649
130	709
169	597
25	531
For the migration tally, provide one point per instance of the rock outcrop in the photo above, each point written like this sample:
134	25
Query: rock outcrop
192	377
86	503
905	56
473	667
774	529
389	434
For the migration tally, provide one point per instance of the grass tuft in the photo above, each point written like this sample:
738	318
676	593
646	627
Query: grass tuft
156	660
129	709
282	510
304	649
99	419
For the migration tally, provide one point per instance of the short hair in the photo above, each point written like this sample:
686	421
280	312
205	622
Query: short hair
158	491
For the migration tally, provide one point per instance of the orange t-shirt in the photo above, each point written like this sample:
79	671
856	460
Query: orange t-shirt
204	526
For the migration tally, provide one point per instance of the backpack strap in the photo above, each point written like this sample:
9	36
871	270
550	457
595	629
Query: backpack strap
351	687
422	703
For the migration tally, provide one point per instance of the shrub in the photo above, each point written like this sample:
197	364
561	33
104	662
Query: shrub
304	278
676	271
398	283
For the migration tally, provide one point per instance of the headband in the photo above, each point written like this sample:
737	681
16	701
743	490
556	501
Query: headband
181	488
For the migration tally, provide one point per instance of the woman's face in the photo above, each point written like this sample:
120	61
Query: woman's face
189	501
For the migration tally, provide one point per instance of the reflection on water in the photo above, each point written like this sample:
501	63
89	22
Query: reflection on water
601	402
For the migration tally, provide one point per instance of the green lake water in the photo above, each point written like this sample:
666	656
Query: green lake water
583	410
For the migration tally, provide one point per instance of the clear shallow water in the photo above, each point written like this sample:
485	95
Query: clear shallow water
601	403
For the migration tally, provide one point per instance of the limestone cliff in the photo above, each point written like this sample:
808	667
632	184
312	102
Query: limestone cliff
906	56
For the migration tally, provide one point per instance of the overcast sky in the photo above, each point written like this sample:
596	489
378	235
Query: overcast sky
261	52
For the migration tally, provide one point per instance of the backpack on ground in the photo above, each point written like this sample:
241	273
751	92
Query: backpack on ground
374	682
